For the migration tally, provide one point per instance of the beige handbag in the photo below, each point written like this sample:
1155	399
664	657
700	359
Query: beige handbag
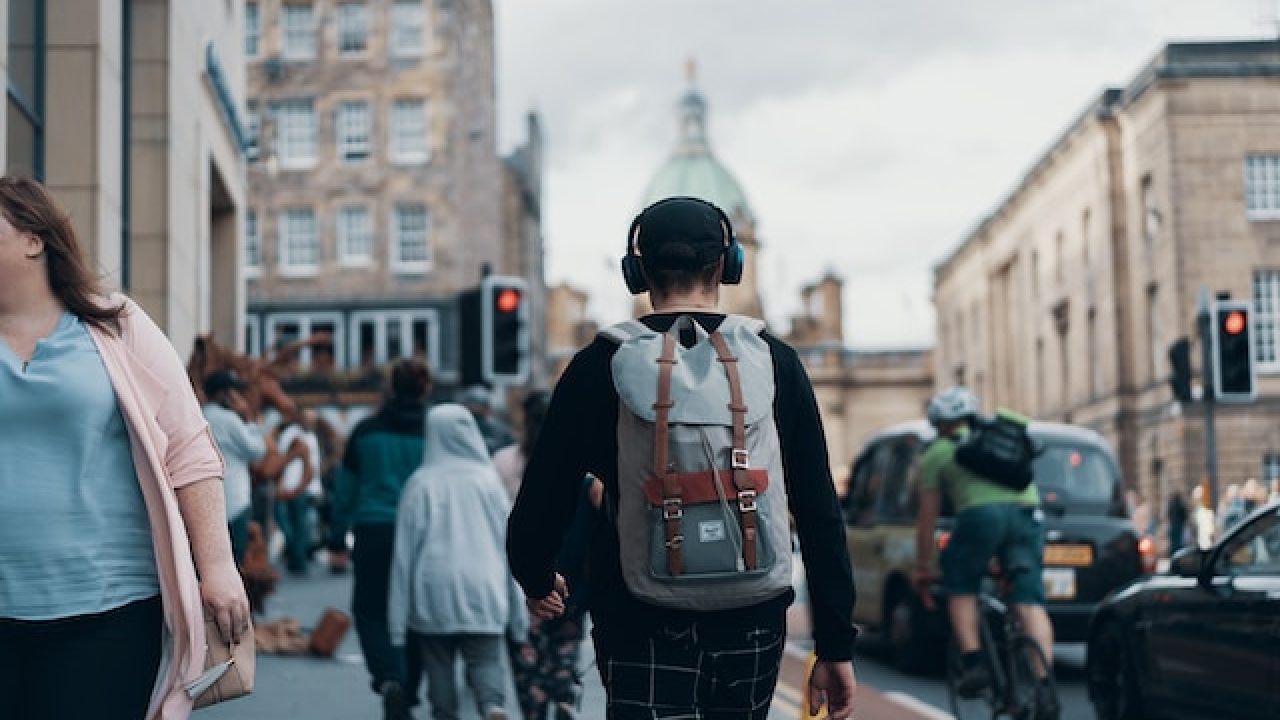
228	669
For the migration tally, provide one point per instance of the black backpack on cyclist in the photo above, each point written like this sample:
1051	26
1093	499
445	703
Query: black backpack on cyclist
999	449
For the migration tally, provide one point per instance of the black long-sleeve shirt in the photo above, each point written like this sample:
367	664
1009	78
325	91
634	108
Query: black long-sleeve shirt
579	435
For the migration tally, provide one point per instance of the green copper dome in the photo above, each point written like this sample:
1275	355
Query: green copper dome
692	169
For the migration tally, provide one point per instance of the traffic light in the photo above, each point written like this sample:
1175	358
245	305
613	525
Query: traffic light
1180	369
494	332
1232	337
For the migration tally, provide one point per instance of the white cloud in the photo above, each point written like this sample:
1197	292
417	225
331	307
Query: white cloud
869	136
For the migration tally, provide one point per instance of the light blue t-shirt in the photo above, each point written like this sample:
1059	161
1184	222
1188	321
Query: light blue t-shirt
75	538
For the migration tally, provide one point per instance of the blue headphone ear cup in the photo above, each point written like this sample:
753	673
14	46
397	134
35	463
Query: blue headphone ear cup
633	275
735	259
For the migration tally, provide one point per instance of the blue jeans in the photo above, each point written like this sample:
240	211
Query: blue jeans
1013	533
294	518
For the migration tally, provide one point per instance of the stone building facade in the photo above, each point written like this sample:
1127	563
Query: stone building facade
377	189
1064	300
131	113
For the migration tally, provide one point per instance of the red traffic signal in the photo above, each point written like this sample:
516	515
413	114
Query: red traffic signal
508	300
1234	323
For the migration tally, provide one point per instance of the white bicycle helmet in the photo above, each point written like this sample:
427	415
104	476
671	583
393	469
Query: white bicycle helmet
954	403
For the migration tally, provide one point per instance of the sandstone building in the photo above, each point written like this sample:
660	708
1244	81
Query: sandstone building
377	193
131	113
1064	300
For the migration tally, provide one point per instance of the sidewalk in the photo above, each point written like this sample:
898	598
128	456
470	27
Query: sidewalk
290	687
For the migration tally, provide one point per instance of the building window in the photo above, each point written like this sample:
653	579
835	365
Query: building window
285	328
252	30
1262	187
354	126
1150	214
409	131
1095	364
1059	257
353	28
253	133
381	336
408	20
252	244
1266	319
1086	241
1270	468
24	113
410	252
297	131
1155	331
355	235
299	242
299	32
252	335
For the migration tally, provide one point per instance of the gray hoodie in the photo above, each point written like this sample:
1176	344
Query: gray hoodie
449	573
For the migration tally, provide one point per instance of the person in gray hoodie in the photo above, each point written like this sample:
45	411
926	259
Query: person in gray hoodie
450	583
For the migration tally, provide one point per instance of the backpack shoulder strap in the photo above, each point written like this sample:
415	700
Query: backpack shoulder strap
625	330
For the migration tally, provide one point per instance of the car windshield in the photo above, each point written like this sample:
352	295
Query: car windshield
1075	475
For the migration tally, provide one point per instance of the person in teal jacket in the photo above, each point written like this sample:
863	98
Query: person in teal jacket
382	452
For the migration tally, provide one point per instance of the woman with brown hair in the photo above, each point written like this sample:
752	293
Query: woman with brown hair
112	528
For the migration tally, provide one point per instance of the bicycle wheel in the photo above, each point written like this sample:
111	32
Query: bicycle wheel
966	708
1028	697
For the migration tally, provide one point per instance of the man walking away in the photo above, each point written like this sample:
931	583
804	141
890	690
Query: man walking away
705	432
479	402
382	452
241	442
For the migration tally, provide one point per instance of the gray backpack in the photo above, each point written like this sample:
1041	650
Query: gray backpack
702	512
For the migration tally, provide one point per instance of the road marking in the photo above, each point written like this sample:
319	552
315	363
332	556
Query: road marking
918	706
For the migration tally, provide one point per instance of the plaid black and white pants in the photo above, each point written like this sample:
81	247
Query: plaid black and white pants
691	672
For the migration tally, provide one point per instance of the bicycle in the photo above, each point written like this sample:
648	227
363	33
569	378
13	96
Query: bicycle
1012	656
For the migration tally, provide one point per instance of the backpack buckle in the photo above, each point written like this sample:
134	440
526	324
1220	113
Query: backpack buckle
747	501
672	509
739	459
675	542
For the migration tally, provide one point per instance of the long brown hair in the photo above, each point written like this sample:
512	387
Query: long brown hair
31	209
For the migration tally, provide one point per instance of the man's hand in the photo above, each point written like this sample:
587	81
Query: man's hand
222	593
552	606
922	579
832	685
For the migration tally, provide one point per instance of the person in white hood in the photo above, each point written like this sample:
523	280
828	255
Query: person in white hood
449	578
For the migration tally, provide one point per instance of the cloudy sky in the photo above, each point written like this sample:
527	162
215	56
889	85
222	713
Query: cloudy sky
869	135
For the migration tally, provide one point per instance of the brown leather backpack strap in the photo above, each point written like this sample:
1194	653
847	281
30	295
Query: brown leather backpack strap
739	461
672	503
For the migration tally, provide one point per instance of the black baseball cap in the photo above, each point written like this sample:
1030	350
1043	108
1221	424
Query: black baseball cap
216	382
680	233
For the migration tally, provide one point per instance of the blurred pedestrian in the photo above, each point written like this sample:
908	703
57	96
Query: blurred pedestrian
1253	495
449	577
382	451
1275	492
1140	513
1231	509
1176	515
113	530
240	439
545	667
300	491
1203	517
478	400
331	447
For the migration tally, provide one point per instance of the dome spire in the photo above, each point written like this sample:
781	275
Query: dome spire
693	116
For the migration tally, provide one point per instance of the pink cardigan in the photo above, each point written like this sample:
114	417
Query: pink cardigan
172	448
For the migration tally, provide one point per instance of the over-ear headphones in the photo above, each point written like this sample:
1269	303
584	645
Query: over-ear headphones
735	258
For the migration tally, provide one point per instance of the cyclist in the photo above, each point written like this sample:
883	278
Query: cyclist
992	521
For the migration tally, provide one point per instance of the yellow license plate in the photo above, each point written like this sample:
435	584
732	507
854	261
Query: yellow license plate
1068	555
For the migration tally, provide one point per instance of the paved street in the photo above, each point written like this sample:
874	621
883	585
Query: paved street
337	689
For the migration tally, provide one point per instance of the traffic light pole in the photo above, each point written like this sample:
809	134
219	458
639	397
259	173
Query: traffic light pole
1207	397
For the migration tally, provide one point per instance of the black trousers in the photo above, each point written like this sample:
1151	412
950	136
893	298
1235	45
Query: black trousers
100	666
371	561
693	671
